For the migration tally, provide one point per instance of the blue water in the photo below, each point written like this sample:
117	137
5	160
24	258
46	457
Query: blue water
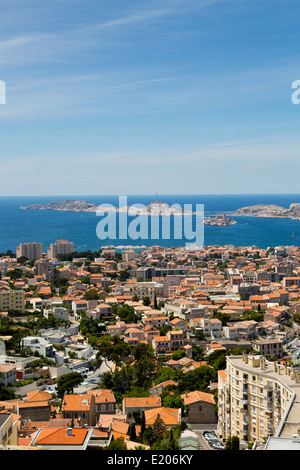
19	226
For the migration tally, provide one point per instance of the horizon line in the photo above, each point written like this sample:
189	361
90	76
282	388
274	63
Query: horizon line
149	194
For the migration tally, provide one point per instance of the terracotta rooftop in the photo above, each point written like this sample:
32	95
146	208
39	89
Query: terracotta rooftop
59	436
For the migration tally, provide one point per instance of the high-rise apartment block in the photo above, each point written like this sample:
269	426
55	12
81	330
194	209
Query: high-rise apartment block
60	247
32	251
257	399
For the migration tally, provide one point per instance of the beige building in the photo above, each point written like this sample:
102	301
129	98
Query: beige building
201	407
8	374
32	251
8	430
257	399
149	289
7	263
12	300
79	406
269	347
60	247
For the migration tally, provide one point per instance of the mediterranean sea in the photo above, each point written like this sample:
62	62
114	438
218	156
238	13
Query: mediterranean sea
20	226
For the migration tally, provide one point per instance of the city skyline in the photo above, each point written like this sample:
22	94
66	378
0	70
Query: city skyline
188	97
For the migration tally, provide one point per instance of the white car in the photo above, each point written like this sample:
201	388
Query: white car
209	436
216	445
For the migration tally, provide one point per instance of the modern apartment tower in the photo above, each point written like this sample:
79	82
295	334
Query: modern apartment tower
60	247
258	399
32	251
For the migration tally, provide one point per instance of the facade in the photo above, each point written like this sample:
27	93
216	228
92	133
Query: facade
60	247
201	407
46	269
37	407
8	374
105	402
149	289
12	300
102	310
8	430
79	406
257	399
41	345
32	251
7	263
269	347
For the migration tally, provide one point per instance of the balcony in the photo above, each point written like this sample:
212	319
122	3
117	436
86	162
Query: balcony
244	401
243	410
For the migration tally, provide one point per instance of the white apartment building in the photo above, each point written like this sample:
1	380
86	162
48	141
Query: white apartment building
41	345
186	310
257	399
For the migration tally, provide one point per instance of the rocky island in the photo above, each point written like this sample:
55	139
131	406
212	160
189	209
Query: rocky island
72	206
271	210
220	220
155	208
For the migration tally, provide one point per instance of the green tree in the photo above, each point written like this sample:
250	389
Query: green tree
124	275
141	350
146	300
148	436
66	383
132	432
143	424
159	428
232	443
116	444
91	294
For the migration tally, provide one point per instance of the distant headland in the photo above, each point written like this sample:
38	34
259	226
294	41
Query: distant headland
271	210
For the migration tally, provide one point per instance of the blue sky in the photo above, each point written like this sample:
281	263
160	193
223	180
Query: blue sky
138	97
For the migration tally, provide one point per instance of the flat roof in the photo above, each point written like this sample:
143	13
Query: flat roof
282	443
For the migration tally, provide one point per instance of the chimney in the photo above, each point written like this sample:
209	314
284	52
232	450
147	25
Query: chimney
262	363
69	432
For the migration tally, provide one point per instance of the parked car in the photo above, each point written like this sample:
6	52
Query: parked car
210	437
216	445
